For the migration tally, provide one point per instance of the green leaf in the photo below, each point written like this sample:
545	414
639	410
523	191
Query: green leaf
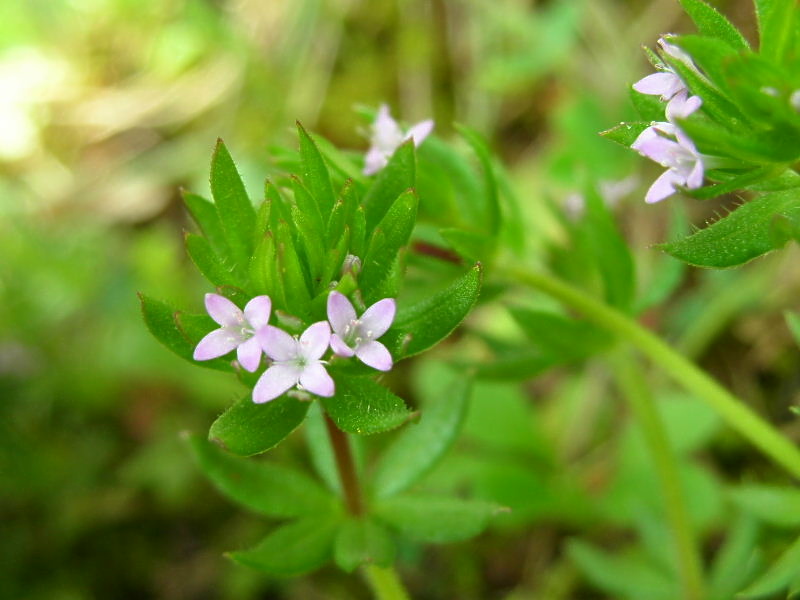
625	133
711	23
471	245
247	428
291	272
649	107
394	179
343	213
492	208
205	215
235	211
389	237
421	445
434	519
745	234
320	449
207	261
779	576
161	320
776	23
310	230
264	271
362	406
793	321
733	563
315	173
363	541
268	489
558	335
778	506
426	323
293	549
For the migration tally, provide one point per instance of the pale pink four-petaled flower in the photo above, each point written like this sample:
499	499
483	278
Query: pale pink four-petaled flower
296	362
238	330
387	137
684	163
354	336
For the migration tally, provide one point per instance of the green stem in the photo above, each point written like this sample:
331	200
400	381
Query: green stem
634	386
732	410
385	583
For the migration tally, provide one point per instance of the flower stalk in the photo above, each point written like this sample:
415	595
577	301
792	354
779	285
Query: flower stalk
732	410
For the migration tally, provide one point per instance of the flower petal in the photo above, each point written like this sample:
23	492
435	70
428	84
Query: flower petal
340	312
257	311
274	382
682	105
249	354
378	318
374	161
316	380
339	347
314	340
420	131
277	344
695	178
663	186
660	150
375	355
663	84
223	311
386	134
217	343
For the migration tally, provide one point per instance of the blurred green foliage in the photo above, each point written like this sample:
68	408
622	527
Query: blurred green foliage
109	107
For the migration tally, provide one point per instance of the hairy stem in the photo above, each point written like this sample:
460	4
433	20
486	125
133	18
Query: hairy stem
635	389
346	467
732	410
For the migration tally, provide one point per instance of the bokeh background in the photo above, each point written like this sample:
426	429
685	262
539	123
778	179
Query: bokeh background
109	107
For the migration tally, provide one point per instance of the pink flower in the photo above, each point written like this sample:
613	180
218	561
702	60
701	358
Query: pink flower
387	137
296	362
684	163
238	330
354	336
669	86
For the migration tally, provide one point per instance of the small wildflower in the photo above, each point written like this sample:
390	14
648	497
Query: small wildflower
684	163
351	264
296	362
794	100
354	336
238	330
670	86
387	137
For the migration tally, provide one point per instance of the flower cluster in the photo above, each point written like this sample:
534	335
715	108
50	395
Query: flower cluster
296	361
664	142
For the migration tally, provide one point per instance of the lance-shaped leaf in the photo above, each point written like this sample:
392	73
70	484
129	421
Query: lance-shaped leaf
343	212
208	262
248	428
426	323
162	321
389	237
712	24
394	179
625	133
778	506
266	488
362	406
491	196
785	571
315	173
264	276
205	215
299	547
776	24
746	233
734	561
236	213
435	519
421	445
559	336
363	541
311	232
291	271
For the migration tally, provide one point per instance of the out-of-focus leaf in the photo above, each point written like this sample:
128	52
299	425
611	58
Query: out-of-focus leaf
492	201
421	445
391	181
778	577
793	321
270	489
362	406
734	563
741	236
711	23
778	506
559	335
236	213
293	549
248	428
472	245
363	541
423	325
320	449
776	22
435	519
